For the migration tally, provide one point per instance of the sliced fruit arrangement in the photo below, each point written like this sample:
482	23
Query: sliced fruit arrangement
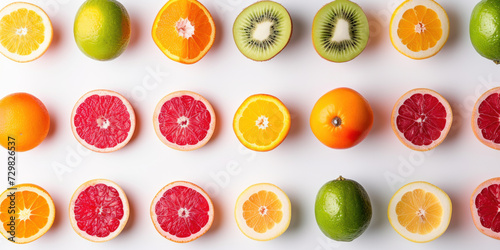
262	30
340	31
341	118
484	29
182	212
419	28
421	119
262	122
343	209
98	210
102	29
485	208
486	118
103	121
184	120
420	212
263	212
184	30
32	209
25	32
24	118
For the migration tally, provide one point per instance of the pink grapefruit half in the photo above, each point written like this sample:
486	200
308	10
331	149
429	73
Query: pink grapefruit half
98	210
103	121
486	118
485	208
421	119
184	120
182	212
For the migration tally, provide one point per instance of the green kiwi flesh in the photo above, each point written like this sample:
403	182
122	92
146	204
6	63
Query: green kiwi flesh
340	31
262	30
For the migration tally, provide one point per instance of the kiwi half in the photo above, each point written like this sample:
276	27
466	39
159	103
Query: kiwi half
340	31
262	30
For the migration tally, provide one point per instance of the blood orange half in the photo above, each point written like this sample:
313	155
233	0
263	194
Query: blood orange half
98	210
182	212
421	119
184	120
486	118
103	121
485	208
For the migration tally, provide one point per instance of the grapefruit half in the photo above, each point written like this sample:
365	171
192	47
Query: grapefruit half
103	121
421	119
182	212
486	118
98	210
485	208
184	120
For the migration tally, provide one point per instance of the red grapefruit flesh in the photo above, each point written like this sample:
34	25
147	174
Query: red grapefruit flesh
103	121
421	119
485	208
184	120
182	212
98	210
486	118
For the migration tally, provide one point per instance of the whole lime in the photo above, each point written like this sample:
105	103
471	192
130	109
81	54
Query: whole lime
484	29
343	209
102	29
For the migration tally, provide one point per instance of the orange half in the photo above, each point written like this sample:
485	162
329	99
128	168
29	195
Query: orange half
26	213
419	28
184	30
262	122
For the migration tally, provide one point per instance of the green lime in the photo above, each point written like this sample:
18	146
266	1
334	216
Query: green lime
343	209
102	29
485	29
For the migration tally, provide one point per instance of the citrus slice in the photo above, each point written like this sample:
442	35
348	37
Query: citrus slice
263	212
25	32
486	118
262	122
98	210
420	212
184	120
182	212
485	208
419	28
103	121
421	119
32	209
184	30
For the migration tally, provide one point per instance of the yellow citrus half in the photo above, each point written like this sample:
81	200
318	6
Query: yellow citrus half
25	32
420	212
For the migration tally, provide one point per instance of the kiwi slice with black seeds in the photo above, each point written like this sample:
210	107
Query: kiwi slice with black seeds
340	31
262	30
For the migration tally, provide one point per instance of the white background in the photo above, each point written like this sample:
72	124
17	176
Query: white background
300	165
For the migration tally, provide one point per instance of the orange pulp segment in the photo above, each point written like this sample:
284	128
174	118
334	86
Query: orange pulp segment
420	28
419	211
262	211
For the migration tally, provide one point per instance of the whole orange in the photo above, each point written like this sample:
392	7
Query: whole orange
24	119
341	118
